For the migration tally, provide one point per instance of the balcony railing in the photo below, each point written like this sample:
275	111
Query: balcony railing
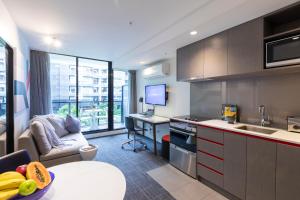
92	114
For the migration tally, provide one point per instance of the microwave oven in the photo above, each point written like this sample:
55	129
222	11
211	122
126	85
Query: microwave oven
283	52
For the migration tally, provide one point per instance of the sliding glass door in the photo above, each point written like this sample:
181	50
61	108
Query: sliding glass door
84	88
93	94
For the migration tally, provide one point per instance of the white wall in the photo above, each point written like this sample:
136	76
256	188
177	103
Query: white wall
178	100
179	93
10	33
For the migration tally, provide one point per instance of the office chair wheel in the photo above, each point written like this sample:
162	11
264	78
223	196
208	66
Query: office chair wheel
134	150
122	147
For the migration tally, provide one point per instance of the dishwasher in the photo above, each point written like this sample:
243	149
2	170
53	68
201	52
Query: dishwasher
183	147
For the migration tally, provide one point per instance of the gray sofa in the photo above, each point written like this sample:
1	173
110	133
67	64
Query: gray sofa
2	144
67	153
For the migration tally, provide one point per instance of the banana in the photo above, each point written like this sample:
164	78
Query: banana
10	184
7	194
11	175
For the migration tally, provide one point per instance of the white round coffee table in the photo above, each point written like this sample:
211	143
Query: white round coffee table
90	180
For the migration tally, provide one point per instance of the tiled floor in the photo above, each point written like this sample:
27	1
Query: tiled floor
140	186
165	182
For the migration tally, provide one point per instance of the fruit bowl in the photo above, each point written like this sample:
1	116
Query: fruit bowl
38	193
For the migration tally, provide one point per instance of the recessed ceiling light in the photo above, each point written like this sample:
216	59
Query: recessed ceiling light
48	40
52	41
56	43
193	33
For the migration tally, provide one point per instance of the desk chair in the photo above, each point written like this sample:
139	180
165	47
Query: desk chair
129	124
11	161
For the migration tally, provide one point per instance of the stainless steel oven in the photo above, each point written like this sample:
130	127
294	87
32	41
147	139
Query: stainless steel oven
283	52
183	147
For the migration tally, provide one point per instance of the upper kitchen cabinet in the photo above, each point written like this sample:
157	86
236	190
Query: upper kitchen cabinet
245	48
215	55
190	62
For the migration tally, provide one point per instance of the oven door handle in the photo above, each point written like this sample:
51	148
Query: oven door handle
182	132
179	149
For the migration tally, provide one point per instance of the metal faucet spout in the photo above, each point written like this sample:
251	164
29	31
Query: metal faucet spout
263	120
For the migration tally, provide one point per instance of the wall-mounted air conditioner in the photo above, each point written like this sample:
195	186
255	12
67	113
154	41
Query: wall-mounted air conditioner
157	71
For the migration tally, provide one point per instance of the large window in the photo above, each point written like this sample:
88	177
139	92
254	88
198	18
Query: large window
120	97
2	85
63	84
81	87
7	92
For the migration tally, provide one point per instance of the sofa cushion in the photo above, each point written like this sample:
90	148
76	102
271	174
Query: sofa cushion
72	124
73	143
38	131
59	125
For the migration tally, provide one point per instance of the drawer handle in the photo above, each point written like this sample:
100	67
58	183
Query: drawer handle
211	169
218	143
209	154
182	132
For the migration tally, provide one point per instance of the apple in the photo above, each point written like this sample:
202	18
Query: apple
22	169
27	187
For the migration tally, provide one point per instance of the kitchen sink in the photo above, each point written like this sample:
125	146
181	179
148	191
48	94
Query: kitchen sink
256	129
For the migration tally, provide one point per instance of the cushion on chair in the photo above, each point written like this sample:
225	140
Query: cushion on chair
73	143
39	135
72	124
59	125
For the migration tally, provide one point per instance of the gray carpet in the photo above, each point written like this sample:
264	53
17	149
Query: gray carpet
140	186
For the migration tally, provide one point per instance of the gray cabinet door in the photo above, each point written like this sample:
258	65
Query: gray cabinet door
235	164
215	55
190	60
288	172
245	48
261	167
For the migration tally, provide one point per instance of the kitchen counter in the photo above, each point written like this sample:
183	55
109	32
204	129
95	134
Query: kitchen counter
280	135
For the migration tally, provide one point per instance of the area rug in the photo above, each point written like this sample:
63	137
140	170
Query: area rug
182	186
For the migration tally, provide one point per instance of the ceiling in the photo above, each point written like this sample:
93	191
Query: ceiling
130	31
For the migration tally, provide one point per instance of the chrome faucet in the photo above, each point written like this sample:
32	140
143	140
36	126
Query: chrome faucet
263	120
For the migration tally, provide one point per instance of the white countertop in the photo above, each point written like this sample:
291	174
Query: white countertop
279	135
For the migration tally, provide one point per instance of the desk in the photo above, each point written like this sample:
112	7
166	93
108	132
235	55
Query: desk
86	180
153	121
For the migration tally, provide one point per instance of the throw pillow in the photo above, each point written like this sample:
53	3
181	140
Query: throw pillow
38	132
72	124
59	125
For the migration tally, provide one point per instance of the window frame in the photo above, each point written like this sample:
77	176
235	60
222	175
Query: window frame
10	144
110	125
